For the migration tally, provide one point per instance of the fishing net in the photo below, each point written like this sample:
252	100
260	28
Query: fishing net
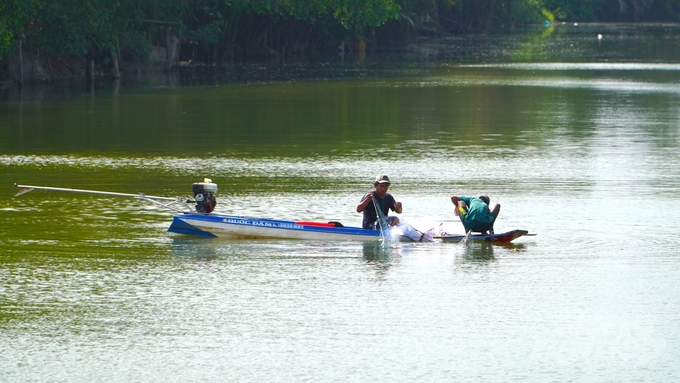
382	224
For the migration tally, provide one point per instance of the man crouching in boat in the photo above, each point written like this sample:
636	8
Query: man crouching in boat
384	201
475	213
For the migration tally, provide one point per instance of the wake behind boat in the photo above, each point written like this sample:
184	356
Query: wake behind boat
197	217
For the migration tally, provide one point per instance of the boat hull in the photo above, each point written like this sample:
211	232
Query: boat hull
506	237
226	226
229	226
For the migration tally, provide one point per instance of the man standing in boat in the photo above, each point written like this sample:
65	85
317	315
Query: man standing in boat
380	199
474	213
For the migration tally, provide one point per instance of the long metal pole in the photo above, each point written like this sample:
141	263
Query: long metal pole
27	188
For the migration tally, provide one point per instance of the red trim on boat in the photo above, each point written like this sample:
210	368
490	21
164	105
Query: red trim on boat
308	223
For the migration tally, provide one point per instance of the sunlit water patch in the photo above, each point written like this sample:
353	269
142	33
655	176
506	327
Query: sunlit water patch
584	66
549	81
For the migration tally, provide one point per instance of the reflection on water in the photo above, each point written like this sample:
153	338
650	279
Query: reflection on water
478	252
586	66
379	251
200	248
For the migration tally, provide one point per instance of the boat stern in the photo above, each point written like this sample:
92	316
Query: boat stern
182	227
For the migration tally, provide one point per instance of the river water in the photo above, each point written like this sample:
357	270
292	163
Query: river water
576	137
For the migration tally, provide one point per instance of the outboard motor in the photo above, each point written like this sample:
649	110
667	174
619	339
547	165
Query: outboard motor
204	194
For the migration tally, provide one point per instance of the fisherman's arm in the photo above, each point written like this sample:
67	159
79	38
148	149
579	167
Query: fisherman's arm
456	202
364	202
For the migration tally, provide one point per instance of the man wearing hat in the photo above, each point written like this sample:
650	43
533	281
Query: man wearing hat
384	201
475	213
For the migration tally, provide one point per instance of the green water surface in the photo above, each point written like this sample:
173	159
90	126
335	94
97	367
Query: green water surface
576	137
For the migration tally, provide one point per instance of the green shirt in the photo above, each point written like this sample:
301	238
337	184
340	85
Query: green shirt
477	210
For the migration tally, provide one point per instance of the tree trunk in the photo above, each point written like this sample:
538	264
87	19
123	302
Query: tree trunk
49	66
489	15
118	55
171	43
21	65
115	70
33	65
89	74
116	86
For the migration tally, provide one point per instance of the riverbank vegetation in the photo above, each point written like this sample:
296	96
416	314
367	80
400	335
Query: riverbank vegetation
42	39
